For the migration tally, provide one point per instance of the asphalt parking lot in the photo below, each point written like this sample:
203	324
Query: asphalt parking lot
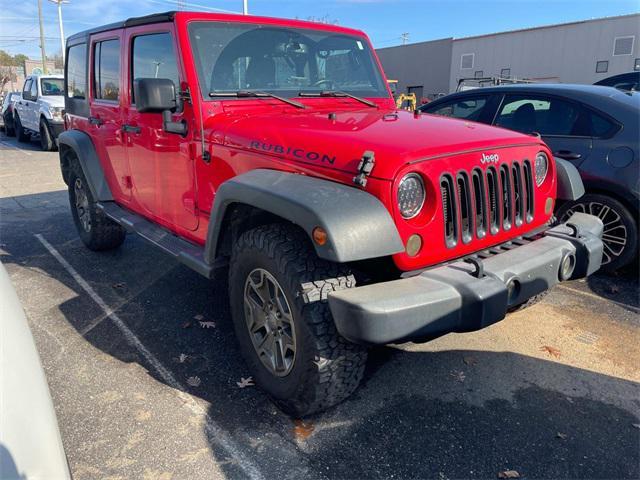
144	370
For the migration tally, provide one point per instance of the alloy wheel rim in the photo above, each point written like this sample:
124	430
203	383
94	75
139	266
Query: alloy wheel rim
614	235
269	320
82	205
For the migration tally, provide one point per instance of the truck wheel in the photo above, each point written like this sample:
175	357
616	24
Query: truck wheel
620	236
97	231
8	127
21	133
292	348
47	142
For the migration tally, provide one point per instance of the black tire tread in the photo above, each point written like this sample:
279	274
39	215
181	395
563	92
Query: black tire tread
339	364
21	133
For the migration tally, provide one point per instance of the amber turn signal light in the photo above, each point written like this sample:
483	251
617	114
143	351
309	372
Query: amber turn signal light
319	235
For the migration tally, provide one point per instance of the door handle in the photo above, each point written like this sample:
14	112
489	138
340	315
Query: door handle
96	121
130	129
568	155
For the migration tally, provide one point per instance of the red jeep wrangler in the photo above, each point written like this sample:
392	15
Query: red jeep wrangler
272	149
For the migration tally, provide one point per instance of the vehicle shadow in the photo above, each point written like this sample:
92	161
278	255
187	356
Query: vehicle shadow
418	414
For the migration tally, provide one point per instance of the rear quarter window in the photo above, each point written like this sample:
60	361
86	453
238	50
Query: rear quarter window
467	109
77	71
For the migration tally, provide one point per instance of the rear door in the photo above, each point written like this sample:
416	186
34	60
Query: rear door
105	110
559	121
161	164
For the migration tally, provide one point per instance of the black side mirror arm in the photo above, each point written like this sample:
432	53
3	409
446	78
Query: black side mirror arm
169	126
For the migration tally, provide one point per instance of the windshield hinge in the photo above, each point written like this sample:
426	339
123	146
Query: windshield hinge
365	168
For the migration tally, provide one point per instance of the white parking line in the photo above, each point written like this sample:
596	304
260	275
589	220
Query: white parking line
215	433
13	147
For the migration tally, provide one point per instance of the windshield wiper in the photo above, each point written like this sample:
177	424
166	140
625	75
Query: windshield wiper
252	94
337	93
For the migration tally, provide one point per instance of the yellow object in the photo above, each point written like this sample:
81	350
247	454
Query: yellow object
410	99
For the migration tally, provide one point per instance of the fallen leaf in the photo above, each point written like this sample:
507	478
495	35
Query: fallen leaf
245	382
552	351
186	325
635	425
194	381
562	436
119	285
569	399
208	324
613	289
182	358
470	360
198	317
458	375
509	474
302	430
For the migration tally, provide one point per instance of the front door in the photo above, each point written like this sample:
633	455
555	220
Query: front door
161	163
105	114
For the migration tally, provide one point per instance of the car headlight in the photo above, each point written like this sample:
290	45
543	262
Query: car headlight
56	112
411	195
542	167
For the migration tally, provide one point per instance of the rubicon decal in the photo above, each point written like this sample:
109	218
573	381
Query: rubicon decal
295	152
493	158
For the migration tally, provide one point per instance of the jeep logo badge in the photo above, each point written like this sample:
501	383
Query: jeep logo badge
493	158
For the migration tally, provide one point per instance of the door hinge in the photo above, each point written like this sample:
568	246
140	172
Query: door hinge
365	168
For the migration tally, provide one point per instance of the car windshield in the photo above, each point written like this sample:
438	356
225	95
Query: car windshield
283	61
51	86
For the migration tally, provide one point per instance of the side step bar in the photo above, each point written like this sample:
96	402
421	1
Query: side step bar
185	252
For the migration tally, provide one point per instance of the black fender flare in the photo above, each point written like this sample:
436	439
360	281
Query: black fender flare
86	154
358	225
570	186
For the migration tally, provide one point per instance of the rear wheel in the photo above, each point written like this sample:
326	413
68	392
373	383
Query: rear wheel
8	127
292	348
620	236
97	231
21	133
47	142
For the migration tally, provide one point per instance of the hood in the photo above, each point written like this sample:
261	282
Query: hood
338	140
52	100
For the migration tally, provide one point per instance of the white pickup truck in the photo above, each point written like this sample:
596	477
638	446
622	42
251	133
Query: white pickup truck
39	111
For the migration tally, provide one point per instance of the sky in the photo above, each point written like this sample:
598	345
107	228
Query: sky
383	20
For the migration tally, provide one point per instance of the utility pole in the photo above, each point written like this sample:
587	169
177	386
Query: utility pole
44	55
59	3
245	7
405	38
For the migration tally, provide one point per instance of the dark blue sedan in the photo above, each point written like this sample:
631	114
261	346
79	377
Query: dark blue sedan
596	128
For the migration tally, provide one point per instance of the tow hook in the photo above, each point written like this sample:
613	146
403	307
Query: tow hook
365	168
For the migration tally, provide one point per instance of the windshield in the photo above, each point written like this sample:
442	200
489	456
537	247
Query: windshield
283	61
51	86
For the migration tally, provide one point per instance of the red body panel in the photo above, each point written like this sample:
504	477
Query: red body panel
163	176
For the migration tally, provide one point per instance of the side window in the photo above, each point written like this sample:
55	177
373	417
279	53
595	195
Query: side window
468	109
77	71
154	57
106	70
547	116
600	126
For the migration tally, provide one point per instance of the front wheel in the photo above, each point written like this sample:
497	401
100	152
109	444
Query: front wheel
21	133
47	143
620	235
292	348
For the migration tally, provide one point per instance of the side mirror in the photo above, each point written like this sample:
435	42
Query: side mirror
158	95
154	95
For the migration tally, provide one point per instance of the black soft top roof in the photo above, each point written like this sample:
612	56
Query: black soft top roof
129	22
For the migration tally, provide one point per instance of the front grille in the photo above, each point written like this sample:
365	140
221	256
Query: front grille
486	201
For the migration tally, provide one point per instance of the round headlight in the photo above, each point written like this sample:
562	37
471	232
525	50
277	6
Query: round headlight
542	167
410	195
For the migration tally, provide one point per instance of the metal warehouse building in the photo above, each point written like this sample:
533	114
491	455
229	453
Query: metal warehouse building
577	52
